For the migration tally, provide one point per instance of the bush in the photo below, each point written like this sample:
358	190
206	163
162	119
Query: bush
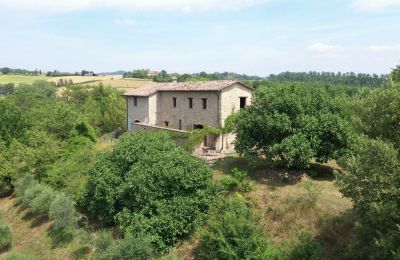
41	203
310	196
232	233
147	185
130	247
85	244
235	181
307	249
372	180
103	241
5	235
62	211
22	185
31	193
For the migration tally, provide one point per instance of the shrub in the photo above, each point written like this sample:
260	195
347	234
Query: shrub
232	233
84	129
5	235
62	211
41	203
22	185
307	249
85	244
103	241
310	195
31	193
372	180
131	247
148	185
235	181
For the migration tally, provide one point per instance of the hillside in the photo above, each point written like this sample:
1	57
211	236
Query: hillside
272	197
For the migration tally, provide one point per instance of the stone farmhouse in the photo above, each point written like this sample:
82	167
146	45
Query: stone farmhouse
186	106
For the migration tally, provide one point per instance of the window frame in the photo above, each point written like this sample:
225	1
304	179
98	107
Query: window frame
190	102
204	102
240	102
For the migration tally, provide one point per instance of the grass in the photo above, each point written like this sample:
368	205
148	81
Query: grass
31	234
277	198
20	79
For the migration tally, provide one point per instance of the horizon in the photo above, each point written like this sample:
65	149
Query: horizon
252	37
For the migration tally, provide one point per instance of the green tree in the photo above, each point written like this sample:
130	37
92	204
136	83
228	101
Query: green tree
14	122
395	74
5	234
5	70
150	186
292	124
380	114
62	211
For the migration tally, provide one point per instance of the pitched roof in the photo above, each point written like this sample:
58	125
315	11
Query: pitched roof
216	85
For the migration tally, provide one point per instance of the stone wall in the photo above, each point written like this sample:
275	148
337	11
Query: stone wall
188	116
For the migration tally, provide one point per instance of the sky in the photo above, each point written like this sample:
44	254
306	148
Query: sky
256	37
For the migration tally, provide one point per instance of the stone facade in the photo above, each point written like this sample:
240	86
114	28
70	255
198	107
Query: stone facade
189	109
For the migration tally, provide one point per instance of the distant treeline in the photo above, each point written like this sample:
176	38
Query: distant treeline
54	73
6	70
330	78
348	78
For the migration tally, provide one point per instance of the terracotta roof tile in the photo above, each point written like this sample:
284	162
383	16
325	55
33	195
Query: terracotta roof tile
152	88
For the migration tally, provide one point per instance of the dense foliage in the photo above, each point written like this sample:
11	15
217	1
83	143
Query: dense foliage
346	79
372	180
50	134
147	185
292	124
233	233
128	248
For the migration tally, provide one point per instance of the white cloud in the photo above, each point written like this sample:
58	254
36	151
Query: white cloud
374	5
323	48
128	22
384	48
177	5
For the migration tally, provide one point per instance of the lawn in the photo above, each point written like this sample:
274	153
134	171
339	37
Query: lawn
20	79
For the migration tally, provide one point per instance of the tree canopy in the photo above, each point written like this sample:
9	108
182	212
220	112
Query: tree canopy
292	124
148	185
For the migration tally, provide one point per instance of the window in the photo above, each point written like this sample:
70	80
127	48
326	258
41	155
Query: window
135	101
166	123
243	102
190	102
180	124
174	101
197	126
204	103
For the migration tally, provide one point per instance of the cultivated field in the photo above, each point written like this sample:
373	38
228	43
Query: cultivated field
113	81
20	79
